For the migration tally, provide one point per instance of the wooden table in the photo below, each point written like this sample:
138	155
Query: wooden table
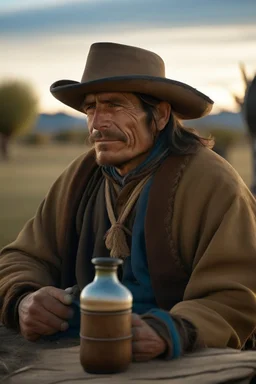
58	363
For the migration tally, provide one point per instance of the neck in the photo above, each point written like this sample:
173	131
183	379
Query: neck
125	168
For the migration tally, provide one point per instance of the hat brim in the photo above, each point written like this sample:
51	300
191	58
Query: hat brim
186	101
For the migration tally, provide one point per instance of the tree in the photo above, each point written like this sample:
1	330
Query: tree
247	107
18	111
246	82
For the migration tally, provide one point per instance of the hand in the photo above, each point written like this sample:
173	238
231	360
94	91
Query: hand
44	312
146	343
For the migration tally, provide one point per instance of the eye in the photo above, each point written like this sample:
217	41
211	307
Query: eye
89	108
113	105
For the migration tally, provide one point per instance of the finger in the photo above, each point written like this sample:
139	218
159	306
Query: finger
138	347
140	352
37	330
149	347
47	329
38	314
141	358
136	320
138	333
51	321
31	336
55	307
59	294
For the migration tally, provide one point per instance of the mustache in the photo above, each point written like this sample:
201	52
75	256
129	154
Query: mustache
108	135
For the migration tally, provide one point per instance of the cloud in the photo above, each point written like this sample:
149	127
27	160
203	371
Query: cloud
202	42
92	16
209	64
10	6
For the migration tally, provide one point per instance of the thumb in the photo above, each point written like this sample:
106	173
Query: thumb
59	294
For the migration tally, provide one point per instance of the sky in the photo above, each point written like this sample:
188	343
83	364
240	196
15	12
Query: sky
202	42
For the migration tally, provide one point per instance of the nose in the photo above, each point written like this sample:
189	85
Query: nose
99	121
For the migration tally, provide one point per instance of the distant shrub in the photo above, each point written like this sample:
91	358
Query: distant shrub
62	137
34	138
71	136
18	111
224	138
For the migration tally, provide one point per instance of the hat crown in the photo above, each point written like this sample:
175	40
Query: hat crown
113	67
106	60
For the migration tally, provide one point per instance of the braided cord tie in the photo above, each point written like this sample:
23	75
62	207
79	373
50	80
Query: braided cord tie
115	238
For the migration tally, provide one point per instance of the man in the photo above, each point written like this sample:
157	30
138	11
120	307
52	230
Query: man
152	193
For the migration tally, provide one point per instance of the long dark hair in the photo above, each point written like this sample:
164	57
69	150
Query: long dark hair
182	140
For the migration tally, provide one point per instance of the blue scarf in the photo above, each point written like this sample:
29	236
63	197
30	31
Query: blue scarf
157	154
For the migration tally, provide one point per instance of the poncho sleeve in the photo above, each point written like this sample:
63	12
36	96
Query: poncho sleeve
214	227
34	259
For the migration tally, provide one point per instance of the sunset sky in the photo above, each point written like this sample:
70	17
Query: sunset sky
201	42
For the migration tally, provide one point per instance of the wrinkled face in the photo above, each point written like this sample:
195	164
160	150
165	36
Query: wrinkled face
117	125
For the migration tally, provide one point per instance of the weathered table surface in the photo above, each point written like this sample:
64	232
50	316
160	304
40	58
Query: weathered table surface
58	363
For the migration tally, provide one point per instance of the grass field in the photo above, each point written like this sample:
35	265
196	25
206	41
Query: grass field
25	179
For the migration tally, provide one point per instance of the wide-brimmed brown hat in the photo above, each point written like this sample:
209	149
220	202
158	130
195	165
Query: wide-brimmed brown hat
114	67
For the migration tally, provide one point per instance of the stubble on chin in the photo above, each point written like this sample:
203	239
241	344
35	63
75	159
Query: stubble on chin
105	159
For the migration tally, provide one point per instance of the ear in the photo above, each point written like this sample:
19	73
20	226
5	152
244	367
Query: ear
163	111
